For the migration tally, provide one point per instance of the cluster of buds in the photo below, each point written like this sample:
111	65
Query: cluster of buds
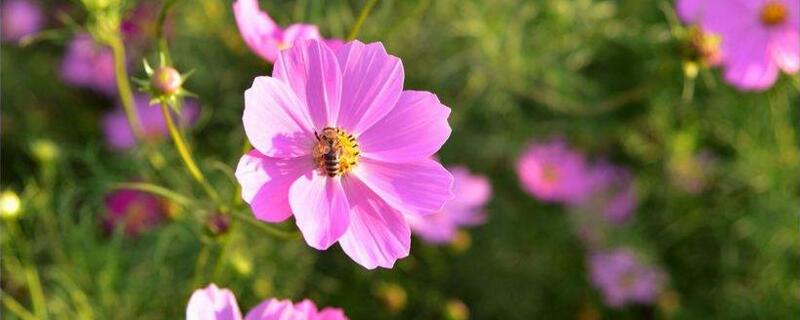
164	84
700	49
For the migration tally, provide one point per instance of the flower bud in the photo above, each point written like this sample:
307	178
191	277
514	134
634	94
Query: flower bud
218	223
166	80
44	150
456	310
9	204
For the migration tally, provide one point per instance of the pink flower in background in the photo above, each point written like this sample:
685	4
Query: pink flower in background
466	209
553	172
614	194
117	130
344	149
265	37
759	37
622	279
90	65
20	18
213	303
138	211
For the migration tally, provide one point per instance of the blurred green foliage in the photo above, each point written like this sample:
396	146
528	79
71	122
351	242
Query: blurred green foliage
607	75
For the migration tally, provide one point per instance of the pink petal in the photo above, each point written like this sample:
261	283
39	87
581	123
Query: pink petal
259	31
785	50
470	190
310	69
331	314
272	309
437	228
749	67
378	234
320	209
690	11
275	120
213	303
300	32
265	183
306	308
419	187
415	129
372	81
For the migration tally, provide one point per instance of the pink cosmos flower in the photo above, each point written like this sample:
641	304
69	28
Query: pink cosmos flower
344	149
623	279
466	209
213	303
90	65
759	37
117	130
553	172
265	37
20	18
138	211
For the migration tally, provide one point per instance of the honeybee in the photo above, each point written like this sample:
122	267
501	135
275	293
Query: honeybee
335	152
328	151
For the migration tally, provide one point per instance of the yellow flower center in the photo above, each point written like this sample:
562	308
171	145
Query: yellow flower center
336	152
284	45
773	13
549	174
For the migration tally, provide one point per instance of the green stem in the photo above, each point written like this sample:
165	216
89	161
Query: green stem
124	86
15	307
37	294
186	155
361	18
162	40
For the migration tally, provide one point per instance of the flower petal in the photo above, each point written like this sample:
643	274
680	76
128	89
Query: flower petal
320	209
372	81
275	120
272	309
265	183
300	32
258	30
749	66
213	303
310	69
415	129
378	234
785	50
419	187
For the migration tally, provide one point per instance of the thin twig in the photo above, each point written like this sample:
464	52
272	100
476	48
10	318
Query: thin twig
361	18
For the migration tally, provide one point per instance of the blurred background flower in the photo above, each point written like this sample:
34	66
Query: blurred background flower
20	18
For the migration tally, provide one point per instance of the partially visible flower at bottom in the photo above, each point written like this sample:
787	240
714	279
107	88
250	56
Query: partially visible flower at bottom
213	303
117	130
136	210
623	279
466	209
90	65
553	172
20	18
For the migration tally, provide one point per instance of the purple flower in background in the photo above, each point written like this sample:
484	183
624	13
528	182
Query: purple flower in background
138	211
213	303
265	37
117	130
622	279
553	172
613	192
759	37
19	19
90	65
466	209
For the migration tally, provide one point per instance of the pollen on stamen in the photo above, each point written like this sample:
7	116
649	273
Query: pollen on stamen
773	13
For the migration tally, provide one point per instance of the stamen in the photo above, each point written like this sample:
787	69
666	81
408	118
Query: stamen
773	13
